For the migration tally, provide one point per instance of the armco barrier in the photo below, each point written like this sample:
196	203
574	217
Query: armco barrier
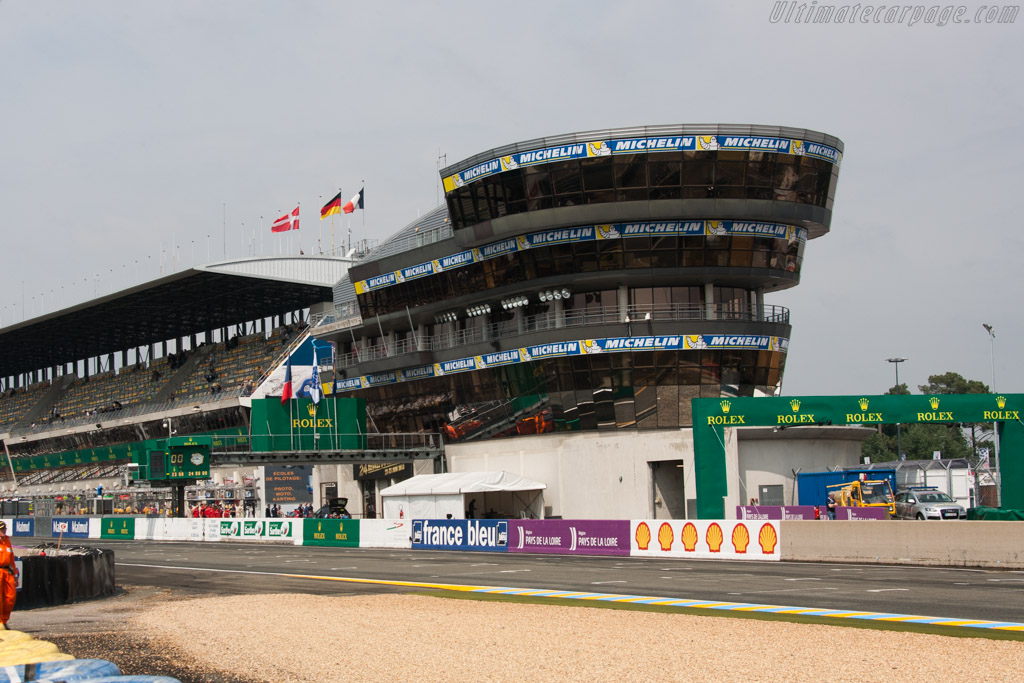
569	537
331	532
460	534
384	533
706	539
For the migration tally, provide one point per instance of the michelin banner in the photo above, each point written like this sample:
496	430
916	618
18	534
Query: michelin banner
675	143
488	535
705	539
569	537
585	233
685	342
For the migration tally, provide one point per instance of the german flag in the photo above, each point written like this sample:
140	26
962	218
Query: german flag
332	207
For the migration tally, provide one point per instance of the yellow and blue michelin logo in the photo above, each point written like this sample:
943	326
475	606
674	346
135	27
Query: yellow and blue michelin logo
690	342
602	148
707	143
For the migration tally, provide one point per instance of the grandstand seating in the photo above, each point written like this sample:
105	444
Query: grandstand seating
101	393
217	369
233	364
14	405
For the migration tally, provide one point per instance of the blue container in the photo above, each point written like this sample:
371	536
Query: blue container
812	487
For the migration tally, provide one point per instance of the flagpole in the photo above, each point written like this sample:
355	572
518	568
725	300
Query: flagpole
316	403
261	235
295	226
332	222
321	242
362	199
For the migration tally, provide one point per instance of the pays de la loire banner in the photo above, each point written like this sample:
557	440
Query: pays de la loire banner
705	539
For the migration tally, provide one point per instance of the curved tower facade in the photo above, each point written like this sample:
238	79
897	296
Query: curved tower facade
590	282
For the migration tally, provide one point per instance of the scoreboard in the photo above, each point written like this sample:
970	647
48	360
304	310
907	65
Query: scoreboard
181	458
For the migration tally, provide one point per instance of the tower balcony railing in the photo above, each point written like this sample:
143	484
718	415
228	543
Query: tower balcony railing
550	320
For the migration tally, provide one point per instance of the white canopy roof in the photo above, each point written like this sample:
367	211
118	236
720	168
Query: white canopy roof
462	482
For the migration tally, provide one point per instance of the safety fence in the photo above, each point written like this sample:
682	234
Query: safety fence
710	539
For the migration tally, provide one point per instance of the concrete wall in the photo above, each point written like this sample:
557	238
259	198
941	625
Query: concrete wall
590	475
770	457
607	475
955	544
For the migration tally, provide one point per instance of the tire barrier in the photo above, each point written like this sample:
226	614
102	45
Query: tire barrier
79	575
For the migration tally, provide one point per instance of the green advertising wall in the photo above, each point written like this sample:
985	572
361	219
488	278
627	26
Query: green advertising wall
299	425
123	451
712	415
117	527
332	532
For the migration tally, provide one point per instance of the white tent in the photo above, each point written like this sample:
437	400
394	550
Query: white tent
435	496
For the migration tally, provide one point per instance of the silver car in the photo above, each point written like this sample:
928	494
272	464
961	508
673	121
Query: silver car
927	504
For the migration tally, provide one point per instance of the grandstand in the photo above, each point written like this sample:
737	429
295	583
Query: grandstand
188	346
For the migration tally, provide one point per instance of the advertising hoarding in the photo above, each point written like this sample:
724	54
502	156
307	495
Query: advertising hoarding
490	535
569	537
70	527
705	539
385	533
117	527
23	527
331	532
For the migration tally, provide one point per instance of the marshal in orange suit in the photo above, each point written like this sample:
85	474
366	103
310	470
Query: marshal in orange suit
8	576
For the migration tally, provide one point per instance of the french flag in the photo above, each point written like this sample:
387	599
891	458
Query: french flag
354	203
286	390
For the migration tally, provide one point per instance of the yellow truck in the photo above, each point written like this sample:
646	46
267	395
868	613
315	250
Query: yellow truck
864	493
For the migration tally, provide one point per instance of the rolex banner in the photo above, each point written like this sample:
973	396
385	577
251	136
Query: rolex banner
301	425
332	532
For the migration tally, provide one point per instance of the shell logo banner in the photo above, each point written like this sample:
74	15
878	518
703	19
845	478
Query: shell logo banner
705	539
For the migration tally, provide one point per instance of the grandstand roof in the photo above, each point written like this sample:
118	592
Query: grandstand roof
432	226
191	301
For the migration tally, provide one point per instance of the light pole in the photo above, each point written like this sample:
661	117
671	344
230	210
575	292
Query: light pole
995	427
899	432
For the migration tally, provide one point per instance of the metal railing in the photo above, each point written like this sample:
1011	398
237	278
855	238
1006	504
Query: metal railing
328	441
635	316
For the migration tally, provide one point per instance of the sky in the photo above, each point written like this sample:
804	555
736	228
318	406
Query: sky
138	138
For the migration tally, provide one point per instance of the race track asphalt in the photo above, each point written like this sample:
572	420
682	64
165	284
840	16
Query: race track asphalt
235	568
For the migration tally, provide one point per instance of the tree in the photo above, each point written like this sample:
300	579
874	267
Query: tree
921	440
952	383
